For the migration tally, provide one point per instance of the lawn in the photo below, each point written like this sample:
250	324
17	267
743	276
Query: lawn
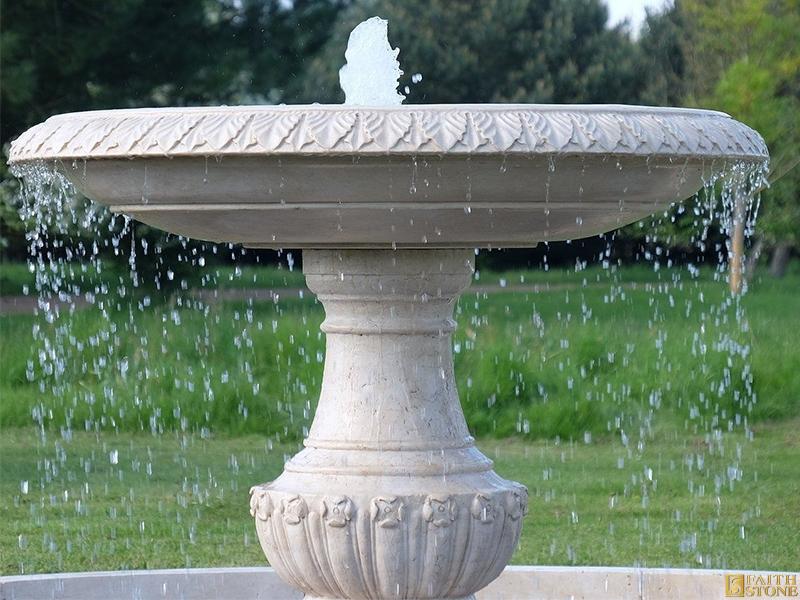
122	500
654	420
596	354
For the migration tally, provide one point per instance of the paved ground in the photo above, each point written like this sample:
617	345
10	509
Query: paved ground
15	305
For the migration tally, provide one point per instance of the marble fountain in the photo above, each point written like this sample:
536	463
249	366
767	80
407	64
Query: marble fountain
390	498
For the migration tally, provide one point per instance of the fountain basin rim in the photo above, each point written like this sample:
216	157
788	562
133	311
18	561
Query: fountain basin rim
520	582
406	130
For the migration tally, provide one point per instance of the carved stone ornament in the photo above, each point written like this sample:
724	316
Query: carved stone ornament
337	510
439	510
517	503
260	503
387	512
483	508
294	510
410	129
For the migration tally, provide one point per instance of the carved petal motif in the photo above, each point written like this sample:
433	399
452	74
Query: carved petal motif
294	509
483	508
404	130
517	503
387	511
337	510
260	503
439	510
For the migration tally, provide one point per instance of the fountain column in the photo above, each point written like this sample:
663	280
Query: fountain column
390	497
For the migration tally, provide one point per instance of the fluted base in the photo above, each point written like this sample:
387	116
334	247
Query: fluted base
390	498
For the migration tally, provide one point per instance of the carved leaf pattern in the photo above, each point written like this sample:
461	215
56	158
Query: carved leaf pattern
439	510
405	130
89	136
216	132
387	130
387	511
483	508
517	503
260	503
417	136
537	131
630	134
294	509
329	130
583	129
672	137
361	136
502	129
446	130
170	133
337	510
269	130
133	132
473	138
560	128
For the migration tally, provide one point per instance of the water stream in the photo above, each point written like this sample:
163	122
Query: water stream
135	369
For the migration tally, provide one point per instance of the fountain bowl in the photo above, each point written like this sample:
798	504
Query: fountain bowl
411	176
390	497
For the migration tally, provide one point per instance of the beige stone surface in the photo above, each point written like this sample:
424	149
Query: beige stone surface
390	498
261	583
406	176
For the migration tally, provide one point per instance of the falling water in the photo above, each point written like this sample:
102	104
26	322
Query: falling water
142	355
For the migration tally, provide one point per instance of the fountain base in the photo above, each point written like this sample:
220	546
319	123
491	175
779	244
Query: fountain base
390	498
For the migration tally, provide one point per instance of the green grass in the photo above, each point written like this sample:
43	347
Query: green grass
17	279
538	373
254	276
564	362
583	274
596	358
177	501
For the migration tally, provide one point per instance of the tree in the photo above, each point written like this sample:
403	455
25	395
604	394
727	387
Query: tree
492	51
62	56
66	56
59	56
744	59
663	61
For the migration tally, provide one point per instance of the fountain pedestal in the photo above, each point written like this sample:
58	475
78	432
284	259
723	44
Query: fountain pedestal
390	498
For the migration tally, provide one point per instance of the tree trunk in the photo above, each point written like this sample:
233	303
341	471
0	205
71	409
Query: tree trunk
736	261
780	259
752	260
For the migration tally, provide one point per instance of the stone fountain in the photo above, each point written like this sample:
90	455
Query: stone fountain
390	497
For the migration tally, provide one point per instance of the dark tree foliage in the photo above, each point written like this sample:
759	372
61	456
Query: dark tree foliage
277	40
68	55
492	51
62	55
663	59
